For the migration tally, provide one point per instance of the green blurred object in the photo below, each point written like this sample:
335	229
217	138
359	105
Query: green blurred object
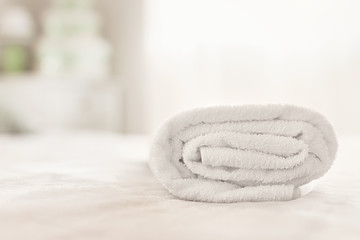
14	58
74	4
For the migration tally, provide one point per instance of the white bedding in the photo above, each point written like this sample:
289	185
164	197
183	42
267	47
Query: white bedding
98	186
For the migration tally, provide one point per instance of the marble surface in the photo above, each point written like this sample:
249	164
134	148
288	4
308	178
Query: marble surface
98	186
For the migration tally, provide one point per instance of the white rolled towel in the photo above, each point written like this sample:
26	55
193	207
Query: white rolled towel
242	153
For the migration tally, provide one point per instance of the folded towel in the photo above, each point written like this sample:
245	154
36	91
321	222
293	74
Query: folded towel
242	153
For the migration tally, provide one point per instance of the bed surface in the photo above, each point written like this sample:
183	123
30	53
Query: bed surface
98	186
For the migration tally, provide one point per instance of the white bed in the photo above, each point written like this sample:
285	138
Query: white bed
98	186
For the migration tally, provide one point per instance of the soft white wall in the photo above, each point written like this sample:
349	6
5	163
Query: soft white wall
233	52
125	27
173	55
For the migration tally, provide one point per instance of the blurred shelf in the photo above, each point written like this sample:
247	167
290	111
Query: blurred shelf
38	77
44	103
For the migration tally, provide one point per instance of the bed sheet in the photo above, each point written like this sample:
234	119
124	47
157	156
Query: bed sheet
98	186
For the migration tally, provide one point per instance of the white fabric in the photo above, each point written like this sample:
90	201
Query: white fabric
242	153
98	186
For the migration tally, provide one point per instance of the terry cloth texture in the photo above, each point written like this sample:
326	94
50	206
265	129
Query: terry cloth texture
242	153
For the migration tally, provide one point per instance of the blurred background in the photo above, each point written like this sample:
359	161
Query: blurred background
126	65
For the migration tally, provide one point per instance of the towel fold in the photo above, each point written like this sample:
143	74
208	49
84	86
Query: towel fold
242	153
